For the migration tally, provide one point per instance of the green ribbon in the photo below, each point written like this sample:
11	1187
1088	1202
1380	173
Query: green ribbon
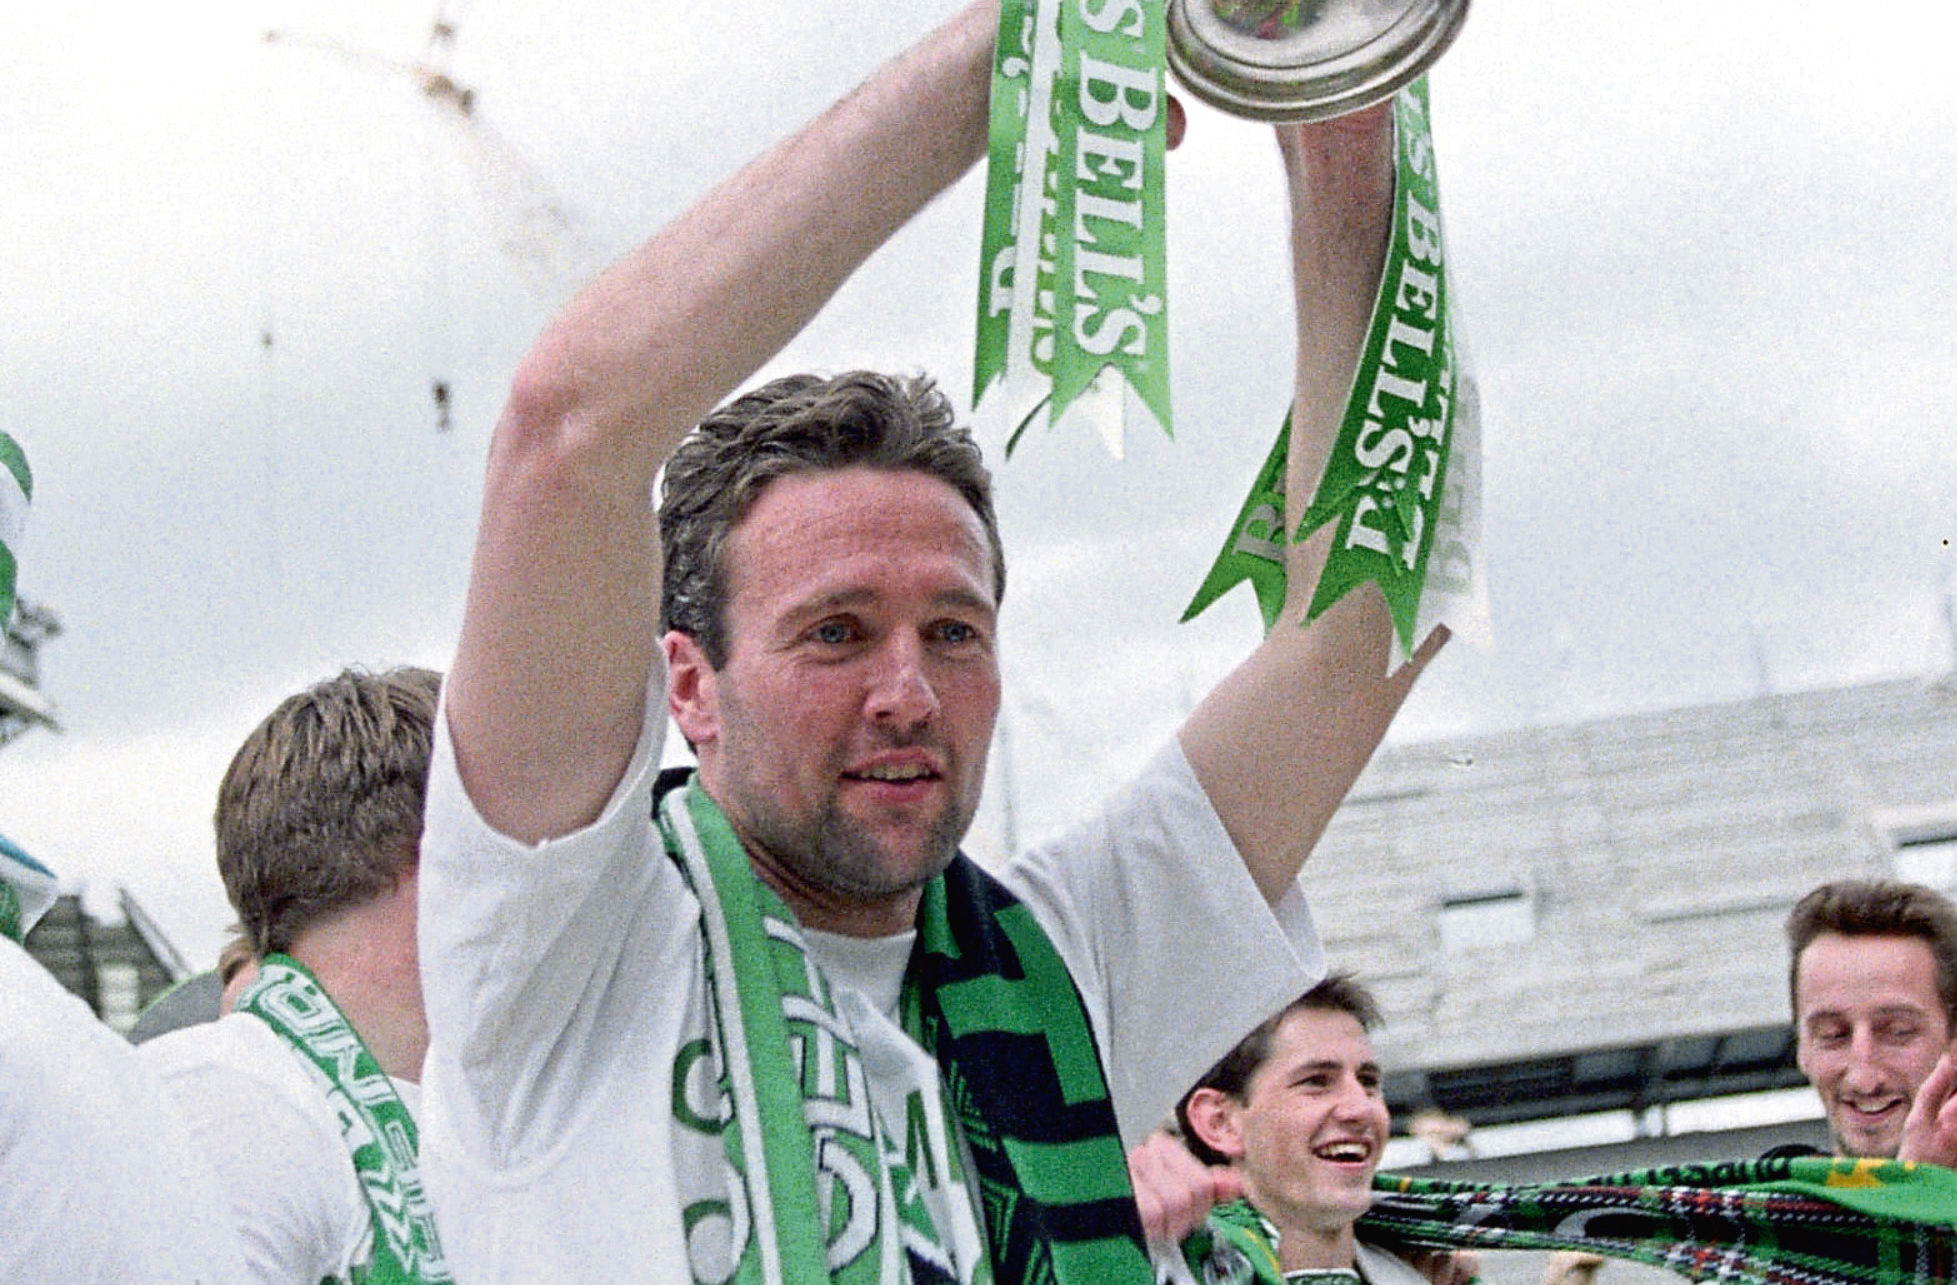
16	489
374	1122
1383	486
12	925
1073	277
1255	551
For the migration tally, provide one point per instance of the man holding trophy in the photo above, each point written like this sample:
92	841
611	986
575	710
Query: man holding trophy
761	1022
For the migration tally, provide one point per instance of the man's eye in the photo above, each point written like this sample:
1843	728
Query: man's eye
833	631
957	631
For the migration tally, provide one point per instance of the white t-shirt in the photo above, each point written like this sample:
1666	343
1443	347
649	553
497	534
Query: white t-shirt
99	1182
568	1016
274	1142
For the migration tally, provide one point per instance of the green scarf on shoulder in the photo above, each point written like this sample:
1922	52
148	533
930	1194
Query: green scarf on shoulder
374	1122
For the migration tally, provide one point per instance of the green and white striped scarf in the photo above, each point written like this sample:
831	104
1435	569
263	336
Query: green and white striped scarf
988	996
16	489
374	1122
1805	1220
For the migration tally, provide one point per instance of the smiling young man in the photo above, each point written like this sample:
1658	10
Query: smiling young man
760	1021
1873	983
1296	1110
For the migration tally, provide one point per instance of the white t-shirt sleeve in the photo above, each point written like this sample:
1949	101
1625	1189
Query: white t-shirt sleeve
285	1180
1175	952
522	949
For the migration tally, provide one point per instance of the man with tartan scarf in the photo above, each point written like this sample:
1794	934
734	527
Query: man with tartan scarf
1295	1118
1872	980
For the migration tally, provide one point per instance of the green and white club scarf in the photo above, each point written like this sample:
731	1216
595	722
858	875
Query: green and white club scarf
813	1186
817	1190
1402	486
1073	283
1807	1220
374	1122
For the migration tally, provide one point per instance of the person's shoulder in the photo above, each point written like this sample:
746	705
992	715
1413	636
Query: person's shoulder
240	1062
237	1041
261	1121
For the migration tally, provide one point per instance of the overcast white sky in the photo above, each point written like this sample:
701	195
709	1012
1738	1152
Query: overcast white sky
1703	252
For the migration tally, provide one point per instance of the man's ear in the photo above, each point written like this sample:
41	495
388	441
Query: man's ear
1213	1119
691	690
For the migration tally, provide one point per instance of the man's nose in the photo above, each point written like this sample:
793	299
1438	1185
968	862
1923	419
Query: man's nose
1354	1102
901	694
1864	1068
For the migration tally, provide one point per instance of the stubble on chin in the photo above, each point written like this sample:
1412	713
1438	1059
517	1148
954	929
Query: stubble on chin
848	861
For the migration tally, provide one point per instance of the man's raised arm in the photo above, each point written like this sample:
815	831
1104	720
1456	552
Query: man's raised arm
546	695
1280	741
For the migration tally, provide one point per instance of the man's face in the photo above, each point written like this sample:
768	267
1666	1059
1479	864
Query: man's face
1868	1028
846	735
1312	1123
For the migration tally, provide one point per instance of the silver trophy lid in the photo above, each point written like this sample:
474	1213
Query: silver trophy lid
1292	60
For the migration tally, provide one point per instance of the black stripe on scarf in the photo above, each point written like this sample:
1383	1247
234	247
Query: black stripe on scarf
1006	1087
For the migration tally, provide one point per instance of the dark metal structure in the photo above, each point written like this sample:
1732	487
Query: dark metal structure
117	968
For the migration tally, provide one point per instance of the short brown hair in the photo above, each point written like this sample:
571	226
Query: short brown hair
320	810
1877	908
1338	993
799	424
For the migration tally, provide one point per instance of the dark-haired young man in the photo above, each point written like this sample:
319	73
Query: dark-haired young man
303	1098
763	1020
1295	1109
1872	978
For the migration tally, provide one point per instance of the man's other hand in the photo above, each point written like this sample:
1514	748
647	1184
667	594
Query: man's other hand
1174	1190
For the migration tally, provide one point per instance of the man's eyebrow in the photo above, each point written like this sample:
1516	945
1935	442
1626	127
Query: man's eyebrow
965	599
845	599
1886	1010
834	600
1331	1064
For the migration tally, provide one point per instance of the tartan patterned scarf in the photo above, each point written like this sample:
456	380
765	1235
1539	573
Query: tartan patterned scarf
1805	1220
